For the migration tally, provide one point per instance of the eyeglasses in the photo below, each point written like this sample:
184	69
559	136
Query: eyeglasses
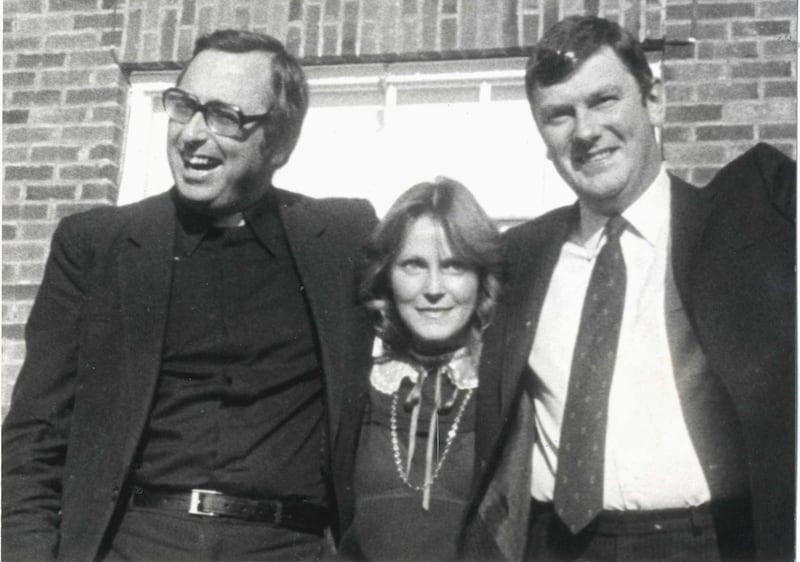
222	118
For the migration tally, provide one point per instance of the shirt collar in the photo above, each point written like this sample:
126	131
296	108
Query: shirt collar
646	216
262	218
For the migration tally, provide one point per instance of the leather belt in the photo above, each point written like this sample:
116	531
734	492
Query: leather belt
633	522
294	514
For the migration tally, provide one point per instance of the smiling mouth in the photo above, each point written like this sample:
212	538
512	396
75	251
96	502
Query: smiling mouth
433	311
201	163
595	156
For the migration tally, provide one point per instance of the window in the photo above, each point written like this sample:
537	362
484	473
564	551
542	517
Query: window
373	130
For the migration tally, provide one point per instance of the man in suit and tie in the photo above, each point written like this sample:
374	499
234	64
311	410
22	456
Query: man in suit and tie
192	357
637	394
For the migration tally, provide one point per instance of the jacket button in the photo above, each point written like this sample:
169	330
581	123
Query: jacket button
115	494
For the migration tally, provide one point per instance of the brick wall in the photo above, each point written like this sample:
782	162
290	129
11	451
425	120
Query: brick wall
64	95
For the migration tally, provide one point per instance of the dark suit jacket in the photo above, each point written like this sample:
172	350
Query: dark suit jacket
94	340
732	251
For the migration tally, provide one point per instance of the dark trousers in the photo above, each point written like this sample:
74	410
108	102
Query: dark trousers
714	532
156	535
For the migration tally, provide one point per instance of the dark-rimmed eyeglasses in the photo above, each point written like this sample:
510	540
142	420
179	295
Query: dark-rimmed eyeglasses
222	118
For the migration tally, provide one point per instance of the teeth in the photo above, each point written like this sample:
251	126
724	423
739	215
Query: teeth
202	162
599	155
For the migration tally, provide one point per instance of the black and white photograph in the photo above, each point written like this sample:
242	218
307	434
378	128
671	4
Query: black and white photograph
399	280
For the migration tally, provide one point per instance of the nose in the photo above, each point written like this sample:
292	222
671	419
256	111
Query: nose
196	129
586	125
433	291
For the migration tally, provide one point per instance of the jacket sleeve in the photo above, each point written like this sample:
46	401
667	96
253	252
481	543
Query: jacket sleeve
35	431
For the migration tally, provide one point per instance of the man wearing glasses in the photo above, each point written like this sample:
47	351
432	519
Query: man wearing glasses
191	358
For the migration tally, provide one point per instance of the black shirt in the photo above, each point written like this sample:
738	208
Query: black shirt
238	407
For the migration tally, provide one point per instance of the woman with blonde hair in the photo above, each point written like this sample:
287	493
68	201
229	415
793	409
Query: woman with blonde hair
431	283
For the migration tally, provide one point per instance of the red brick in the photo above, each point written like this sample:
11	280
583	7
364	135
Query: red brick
12	79
23	292
679	12
58	115
30	272
98	21
768	9
760	111
29	134
14	155
9	232
680	52
695	154
727	50
88	171
65	78
22	251
36	231
22	6
727	91
780	89
778	131
679	92
111	39
43	60
761	28
58	153
36	97
72	41
25	212
107	113
28	173
719	11
15	117
724	132
762	69
93	95
677	134
712	30
73	5
104	151
86	134
105	192
22	43
693	113
779	47
90	58
693	71
45	192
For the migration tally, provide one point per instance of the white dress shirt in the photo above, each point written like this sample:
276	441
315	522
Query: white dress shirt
650	462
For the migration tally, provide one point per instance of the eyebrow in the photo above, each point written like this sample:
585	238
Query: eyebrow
594	95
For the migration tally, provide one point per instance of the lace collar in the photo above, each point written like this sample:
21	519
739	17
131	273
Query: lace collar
388	370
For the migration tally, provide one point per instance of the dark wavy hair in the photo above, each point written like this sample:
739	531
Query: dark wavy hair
288	80
568	43
473	238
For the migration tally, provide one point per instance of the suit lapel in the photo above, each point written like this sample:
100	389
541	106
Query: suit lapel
145	276
321	279
690	208
531	256
536	262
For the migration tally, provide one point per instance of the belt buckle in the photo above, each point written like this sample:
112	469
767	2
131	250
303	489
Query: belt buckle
194	502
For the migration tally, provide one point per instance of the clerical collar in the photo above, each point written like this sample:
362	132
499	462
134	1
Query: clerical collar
261	217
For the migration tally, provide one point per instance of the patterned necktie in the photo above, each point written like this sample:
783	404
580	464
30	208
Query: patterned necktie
578	494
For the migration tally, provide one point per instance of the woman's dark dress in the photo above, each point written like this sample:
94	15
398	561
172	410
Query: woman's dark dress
390	522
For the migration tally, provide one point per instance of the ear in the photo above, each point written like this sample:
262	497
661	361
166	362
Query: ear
656	103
